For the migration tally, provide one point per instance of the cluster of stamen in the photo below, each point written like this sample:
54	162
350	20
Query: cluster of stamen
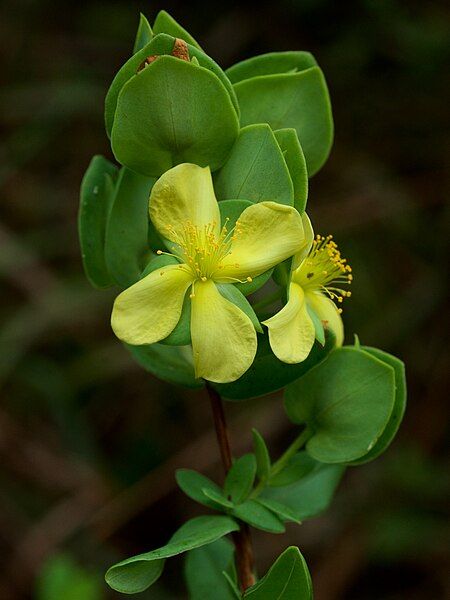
201	252
324	269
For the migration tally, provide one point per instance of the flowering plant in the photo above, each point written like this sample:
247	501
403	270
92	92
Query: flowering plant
224	286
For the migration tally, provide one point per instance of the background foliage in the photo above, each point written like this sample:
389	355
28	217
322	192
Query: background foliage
88	442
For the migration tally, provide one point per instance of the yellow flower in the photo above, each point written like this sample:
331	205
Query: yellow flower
185	211
316	271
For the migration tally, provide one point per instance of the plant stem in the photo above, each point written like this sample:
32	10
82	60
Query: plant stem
242	538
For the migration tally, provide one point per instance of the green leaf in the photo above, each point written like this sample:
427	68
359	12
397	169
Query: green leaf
96	196
240	478
173	112
262	456
296	163
60	577
268	64
164	23
126	246
230	211
300	465
268	374
231	293
287	579
169	363
257	515
311	495
347	401
204	571
318	325
144	34
194	485
161	44
255	169
285	513
399	405
218	498
137	573
299	100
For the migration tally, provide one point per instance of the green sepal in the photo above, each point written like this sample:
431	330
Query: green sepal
231	210
270	63
165	23
299	100
205	568
399	405
262	456
240	478
312	494
144	34
258	516
300	465
255	169
231	293
268	374
161	44
96	196
173	364
173	112
287	579
346	401
318	325
126	245
195	484
296	163
138	573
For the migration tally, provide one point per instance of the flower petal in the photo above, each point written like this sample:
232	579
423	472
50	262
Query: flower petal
223	337
328	313
309	237
291	331
266	234
148	311
183	193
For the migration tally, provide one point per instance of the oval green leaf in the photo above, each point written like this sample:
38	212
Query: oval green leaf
194	485
300	465
296	163
204	569
262	456
270	63
165	23
299	100
240	478
144	34
257	515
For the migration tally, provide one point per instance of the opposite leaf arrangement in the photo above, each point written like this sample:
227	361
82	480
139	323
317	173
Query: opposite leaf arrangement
225	286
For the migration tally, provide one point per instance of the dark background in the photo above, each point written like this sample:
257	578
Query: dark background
88	441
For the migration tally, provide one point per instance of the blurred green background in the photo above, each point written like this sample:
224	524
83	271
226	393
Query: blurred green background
88	441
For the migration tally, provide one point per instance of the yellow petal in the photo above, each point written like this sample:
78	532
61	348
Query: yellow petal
328	313
148	311
266	234
223	337
291	331
309	237
183	194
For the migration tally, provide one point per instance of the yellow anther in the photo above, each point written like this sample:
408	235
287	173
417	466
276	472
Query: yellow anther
159	252
249	279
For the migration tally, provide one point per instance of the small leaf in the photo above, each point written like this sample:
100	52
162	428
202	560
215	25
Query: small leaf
347	400
96	195
262	456
137	573
287	579
268	374
126	246
296	163
240	478
399	404
299	100
255	169
234	590
205	568
164	23
194	485
285	513
312	494
169	363
270	63
318	326
217	497
144	34
173	112
257	515
300	465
